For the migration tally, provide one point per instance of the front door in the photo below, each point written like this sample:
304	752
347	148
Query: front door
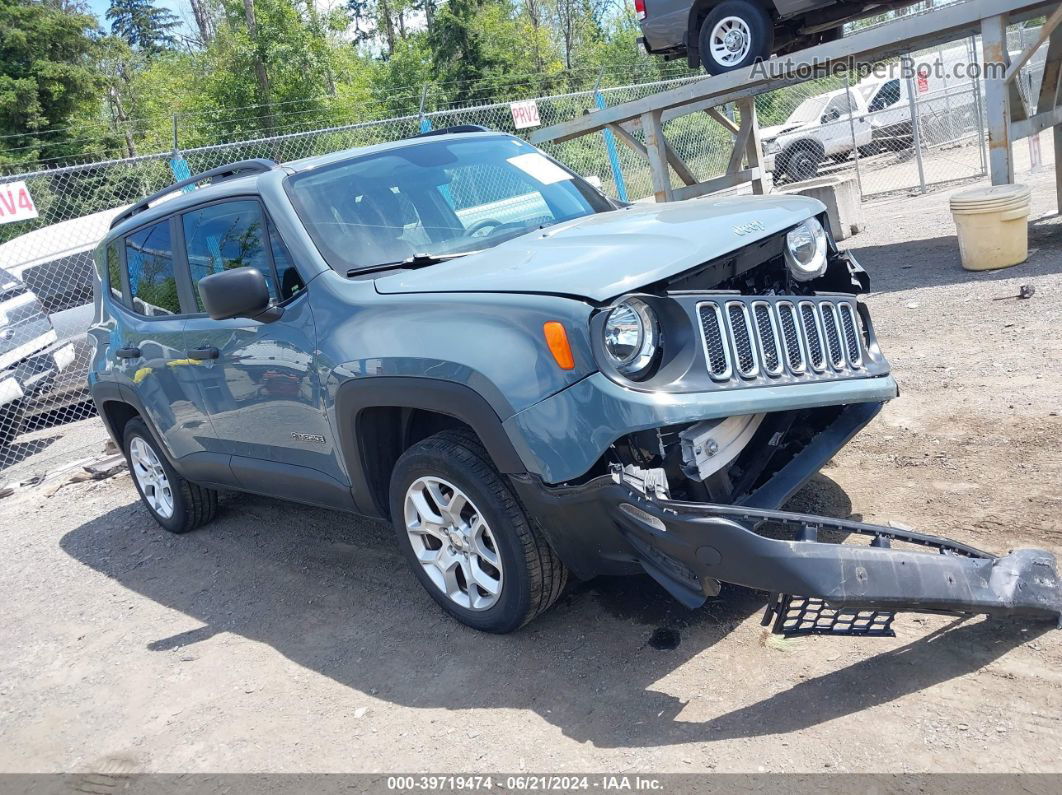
258	381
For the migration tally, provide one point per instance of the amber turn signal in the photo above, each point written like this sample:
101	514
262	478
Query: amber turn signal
557	340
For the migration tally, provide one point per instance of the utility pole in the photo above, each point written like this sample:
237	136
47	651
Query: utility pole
259	66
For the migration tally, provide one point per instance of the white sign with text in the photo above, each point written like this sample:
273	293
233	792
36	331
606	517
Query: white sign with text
16	204
525	114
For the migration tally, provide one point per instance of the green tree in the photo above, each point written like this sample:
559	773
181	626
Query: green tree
47	80
146	26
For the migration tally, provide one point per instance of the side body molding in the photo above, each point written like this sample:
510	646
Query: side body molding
353	397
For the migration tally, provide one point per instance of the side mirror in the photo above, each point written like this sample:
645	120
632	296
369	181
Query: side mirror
240	292
831	115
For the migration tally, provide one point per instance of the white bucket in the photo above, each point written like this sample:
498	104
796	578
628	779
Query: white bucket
992	225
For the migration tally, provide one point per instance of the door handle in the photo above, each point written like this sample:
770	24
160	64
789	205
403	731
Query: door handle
128	353
204	353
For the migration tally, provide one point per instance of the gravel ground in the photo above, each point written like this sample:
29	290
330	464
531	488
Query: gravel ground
289	639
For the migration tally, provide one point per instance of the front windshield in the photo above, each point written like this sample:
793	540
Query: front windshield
806	111
438	198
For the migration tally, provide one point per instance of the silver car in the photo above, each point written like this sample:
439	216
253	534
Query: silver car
728	35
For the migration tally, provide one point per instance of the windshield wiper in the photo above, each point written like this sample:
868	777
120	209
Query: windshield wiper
416	261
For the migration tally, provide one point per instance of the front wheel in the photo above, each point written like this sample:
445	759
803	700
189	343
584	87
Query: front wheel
467	538
735	33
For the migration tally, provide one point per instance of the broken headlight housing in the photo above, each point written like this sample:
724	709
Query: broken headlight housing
631	337
805	250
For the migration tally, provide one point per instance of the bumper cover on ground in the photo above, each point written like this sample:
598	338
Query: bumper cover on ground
690	547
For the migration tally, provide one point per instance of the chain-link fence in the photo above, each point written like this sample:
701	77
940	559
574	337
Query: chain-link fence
895	130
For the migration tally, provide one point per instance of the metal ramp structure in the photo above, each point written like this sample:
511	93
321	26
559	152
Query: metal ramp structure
1011	116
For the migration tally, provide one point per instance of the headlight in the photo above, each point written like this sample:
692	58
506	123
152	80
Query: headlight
805	250
631	336
771	147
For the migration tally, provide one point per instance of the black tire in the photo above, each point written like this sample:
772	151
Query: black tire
533	576
802	160
11	415
193	506
756	20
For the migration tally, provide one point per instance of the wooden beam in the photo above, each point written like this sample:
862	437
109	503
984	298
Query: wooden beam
1036	124
1052	68
723	120
656	147
873	44
740	139
719	183
997	100
753	149
673	160
1046	29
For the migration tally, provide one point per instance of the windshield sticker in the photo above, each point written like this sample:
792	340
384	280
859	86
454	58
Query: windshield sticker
539	167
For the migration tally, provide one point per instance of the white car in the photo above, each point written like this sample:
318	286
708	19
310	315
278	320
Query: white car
829	125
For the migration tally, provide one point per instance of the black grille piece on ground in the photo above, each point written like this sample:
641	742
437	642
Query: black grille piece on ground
794	616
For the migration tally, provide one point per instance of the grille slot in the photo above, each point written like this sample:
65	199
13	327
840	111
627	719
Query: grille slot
741	335
851	335
769	337
715	344
833	335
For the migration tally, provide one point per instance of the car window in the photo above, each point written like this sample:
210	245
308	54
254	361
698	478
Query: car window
61	283
887	96
149	258
114	272
288	280
439	198
224	236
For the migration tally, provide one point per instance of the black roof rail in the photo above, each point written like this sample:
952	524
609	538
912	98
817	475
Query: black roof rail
257	166
458	128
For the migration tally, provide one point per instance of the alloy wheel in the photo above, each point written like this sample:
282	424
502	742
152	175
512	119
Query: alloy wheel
151	477
453	543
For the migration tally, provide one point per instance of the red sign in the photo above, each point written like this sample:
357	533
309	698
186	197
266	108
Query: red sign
525	114
16	204
923	80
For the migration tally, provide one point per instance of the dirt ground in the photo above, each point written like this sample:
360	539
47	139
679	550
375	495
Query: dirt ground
289	639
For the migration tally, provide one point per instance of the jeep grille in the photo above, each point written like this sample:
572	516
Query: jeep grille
768	337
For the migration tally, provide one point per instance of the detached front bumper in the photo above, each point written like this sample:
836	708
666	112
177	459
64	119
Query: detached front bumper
690	548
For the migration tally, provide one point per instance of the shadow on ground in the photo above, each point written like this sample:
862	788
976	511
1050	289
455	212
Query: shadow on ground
935	261
332	594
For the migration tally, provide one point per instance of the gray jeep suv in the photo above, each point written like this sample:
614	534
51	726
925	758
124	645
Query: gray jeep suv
456	333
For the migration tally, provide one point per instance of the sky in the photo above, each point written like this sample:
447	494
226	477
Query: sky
181	9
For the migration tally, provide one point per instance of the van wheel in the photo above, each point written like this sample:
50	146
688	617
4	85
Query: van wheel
175	503
736	33
802	161
467	538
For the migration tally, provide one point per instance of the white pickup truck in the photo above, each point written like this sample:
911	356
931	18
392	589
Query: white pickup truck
829	125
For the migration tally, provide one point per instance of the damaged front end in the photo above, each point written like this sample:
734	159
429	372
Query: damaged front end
759	379
822	579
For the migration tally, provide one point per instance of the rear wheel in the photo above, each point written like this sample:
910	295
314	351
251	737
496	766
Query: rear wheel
736	33
467	538
175	503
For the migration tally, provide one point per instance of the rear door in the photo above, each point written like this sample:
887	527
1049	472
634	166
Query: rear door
147	345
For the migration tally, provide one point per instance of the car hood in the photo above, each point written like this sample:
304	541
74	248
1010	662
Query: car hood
767	133
607	254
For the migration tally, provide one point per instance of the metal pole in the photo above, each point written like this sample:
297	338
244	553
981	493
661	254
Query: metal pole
175	147
423	124
915	138
613	155
978	109
851	129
